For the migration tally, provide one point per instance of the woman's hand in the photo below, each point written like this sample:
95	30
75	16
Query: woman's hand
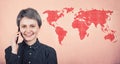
14	43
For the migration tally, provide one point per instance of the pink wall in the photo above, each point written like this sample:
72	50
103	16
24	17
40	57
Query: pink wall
93	49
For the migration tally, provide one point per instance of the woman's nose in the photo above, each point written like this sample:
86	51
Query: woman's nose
27	29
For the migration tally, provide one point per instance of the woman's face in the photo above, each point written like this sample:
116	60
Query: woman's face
29	29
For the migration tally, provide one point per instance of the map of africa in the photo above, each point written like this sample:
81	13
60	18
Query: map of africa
82	21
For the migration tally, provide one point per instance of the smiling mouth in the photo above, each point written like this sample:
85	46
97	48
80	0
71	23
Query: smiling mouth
28	35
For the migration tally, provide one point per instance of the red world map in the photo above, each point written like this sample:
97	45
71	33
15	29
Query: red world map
82	21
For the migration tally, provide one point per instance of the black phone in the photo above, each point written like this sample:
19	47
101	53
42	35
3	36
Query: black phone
17	36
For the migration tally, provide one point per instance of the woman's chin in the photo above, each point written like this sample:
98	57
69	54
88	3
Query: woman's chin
29	39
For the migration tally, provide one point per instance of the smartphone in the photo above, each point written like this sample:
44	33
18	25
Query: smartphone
17	36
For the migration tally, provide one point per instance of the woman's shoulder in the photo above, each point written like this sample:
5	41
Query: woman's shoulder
9	48
47	47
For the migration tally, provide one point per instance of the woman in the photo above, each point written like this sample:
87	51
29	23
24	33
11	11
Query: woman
30	50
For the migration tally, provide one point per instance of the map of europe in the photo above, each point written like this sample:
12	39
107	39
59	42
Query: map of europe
82	21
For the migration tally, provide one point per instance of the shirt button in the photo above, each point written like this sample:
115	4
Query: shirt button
30	53
29	62
18	56
30	47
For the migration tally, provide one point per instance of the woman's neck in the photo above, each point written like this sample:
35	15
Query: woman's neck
31	42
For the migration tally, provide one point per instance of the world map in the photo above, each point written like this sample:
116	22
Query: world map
82	21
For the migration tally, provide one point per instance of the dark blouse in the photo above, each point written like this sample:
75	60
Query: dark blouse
38	53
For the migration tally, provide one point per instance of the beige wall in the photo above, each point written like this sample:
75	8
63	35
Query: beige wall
92	50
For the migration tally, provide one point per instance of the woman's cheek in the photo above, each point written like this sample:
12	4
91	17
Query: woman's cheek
22	31
36	30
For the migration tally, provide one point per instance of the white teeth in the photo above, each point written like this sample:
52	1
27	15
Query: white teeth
28	35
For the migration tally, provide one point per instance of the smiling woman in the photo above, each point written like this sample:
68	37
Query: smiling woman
30	50
29	30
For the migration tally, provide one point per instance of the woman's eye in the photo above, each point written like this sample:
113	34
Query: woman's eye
23	26
32	26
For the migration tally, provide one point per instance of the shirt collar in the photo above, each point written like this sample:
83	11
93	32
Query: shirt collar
34	46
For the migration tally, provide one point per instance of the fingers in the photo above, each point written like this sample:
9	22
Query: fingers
18	33
15	38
